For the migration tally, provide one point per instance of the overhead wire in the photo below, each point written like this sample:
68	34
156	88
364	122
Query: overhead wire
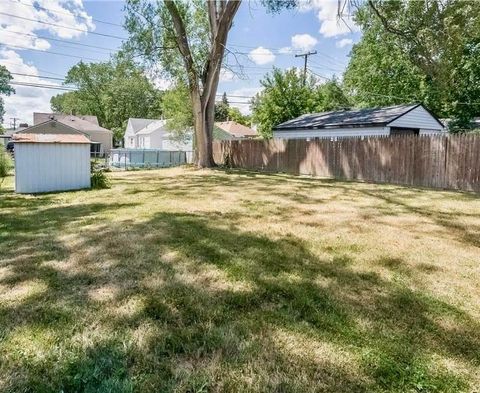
63	26
38	7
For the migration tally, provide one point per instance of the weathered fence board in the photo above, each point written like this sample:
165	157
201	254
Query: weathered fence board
448	162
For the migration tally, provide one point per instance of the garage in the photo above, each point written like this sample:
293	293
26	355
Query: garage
51	162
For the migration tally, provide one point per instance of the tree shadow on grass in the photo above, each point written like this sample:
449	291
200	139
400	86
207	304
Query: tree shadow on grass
199	305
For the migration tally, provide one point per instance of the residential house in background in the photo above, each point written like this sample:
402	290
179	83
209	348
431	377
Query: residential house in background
412	119
7	134
58	123
228	130
153	134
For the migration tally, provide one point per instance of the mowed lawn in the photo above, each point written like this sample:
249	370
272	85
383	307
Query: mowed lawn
189	280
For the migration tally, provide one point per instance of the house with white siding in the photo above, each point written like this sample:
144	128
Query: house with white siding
411	119
154	134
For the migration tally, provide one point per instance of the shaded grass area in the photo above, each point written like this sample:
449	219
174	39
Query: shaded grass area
194	281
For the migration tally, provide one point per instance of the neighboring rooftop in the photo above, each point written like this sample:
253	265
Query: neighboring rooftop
81	123
152	127
139	124
236	130
41	117
50	138
349	118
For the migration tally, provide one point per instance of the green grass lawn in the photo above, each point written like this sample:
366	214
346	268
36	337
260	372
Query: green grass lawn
196	281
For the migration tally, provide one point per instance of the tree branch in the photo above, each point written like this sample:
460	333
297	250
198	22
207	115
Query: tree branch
182	42
224	23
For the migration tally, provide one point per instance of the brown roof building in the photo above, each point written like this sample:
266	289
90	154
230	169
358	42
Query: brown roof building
59	123
232	130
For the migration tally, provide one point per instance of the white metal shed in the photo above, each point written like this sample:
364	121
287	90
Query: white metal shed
51	162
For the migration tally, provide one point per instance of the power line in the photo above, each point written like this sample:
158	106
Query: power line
38	76
59	40
38	7
305	56
50	52
63	27
42	86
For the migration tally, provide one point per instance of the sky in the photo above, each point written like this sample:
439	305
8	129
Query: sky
40	40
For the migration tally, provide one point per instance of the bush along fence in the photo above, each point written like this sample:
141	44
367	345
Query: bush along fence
148	158
447	162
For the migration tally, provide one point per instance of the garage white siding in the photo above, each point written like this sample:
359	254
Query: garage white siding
44	167
417	118
331	133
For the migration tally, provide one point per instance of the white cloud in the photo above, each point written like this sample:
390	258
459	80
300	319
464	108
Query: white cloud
26	100
245	96
226	75
344	42
17	32
20	34
327	13
286	50
261	56
304	42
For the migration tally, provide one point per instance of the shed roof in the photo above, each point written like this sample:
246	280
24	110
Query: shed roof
350	118
50	138
236	129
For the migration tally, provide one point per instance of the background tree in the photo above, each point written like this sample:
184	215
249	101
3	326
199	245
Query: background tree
419	51
235	115
222	108
286	96
5	88
177	109
113	91
187	40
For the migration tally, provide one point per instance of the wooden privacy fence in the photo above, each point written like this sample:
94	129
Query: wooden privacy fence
449	162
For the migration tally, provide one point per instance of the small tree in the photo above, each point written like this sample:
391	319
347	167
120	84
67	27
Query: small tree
222	109
286	96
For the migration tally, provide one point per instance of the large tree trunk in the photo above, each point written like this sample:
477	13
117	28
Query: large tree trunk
203	85
203	132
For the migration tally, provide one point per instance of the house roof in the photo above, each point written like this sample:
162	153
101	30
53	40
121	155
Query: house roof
152	127
350	118
50	138
80	123
41	117
235	129
139	124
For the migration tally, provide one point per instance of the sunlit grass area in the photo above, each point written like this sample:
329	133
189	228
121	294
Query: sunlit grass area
196	281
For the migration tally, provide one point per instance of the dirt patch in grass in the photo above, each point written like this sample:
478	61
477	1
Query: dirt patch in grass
184	280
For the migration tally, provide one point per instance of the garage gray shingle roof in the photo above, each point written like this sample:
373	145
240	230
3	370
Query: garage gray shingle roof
348	118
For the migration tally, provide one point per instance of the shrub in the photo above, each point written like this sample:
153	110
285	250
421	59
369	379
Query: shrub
5	164
99	178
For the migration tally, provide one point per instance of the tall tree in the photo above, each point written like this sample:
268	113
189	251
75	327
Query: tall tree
222	109
285	96
188	40
113	91
433	54
5	88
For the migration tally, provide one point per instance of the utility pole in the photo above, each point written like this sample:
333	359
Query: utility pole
305	56
13	120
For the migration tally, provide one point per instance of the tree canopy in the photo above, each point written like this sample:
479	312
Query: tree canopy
5	88
113	91
186	41
286	96
423	51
